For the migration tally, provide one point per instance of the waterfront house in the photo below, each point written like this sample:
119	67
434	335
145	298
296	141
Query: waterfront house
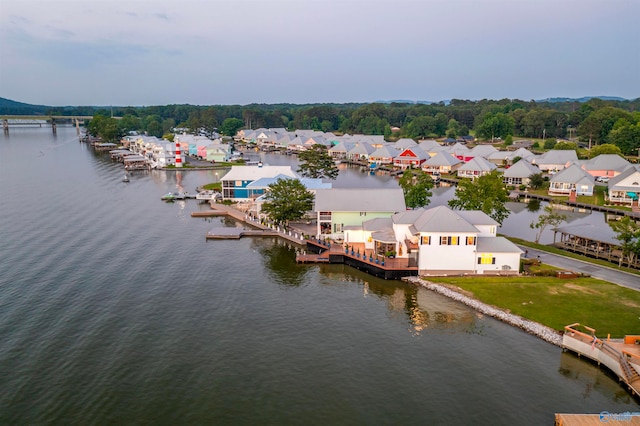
360	152
440	241
338	208
483	151
520	173
461	152
555	160
235	182
403	143
412	156
571	179
383	155
218	153
442	163
606	165
475	168
431	147
625	188
339	151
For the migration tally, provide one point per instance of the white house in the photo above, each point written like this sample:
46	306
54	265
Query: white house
441	241
625	188
570	179
475	168
235	183
519	173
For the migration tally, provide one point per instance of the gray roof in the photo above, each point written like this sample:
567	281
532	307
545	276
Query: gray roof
442	159
430	145
405	143
573	174
478	163
408	216
477	217
386	151
625	181
483	150
442	219
378	224
360	200
586	230
496	245
606	162
557	156
522	169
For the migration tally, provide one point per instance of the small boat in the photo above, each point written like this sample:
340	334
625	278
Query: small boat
125	178
171	196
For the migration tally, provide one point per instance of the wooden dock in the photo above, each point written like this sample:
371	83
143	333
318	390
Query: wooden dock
365	260
597	419
222	233
620	356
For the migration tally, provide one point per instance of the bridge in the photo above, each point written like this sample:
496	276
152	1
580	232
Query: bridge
25	120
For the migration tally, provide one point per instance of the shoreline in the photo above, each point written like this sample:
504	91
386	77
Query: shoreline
536	329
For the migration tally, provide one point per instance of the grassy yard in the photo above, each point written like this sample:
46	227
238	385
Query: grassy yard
557	302
555	250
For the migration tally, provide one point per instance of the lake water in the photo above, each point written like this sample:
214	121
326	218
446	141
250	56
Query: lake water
114	309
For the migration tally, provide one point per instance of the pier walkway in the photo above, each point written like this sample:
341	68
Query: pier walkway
621	356
257	229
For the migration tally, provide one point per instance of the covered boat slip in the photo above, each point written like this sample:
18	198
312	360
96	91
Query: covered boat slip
592	241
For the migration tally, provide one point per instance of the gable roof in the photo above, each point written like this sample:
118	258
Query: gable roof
557	156
628	180
478	163
442	219
606	162
522	169
405	143
360	200
418	153
496	245
573	174
257	172
483	150
443	159
386	151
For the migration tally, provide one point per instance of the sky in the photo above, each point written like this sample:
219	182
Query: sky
219	52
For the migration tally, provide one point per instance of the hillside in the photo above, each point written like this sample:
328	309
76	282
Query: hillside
7	106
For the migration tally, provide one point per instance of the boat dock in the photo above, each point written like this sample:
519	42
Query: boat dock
357	257
257	229
604	417
620	356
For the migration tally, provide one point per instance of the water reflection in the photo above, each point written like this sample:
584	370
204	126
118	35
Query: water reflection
591	378
279	259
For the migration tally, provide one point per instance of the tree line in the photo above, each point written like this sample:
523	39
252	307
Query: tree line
595	121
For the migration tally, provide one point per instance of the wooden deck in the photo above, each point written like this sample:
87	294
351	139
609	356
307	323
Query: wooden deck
620	356
597	419
362	259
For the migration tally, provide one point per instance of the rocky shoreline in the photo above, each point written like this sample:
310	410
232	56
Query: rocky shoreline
545	333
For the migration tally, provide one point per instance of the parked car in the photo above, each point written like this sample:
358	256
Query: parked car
602	179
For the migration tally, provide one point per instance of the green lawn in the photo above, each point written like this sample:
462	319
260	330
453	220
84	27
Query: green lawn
557	302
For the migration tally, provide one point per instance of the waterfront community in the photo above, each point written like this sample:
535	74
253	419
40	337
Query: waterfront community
203	301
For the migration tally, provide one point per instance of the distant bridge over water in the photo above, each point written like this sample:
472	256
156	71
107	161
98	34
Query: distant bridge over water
40	120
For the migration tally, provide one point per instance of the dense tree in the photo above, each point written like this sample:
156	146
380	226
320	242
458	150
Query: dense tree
497	125
486	193
627	232
549	217
416	185
566	146
230	126
317	163
287	200
536	181
605	148
626	136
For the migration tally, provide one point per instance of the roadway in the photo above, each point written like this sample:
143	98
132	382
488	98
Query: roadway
622	278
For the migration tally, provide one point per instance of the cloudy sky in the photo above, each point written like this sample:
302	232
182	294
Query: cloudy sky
207	52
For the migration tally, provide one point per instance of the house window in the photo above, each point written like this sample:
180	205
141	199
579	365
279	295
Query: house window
486	259
337	227
471	241
238	183
363	213
426	240
449	241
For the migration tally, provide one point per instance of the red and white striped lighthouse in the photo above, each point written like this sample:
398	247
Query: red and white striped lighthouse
178	156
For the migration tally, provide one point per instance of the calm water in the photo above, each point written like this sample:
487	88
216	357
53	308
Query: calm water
114	309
